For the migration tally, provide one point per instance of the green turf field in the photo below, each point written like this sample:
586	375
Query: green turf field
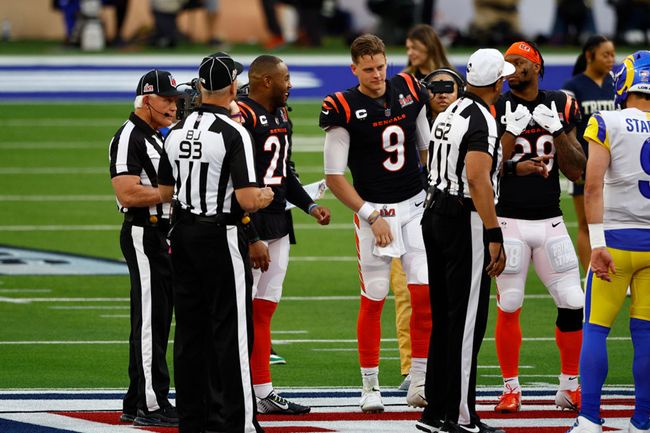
56	195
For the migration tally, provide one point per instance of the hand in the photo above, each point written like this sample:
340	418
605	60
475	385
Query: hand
266	196
258	253
533	166
602	263
547	118
517	121
322	215
497	259
381	230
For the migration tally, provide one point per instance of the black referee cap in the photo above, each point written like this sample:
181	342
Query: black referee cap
157	82
218	70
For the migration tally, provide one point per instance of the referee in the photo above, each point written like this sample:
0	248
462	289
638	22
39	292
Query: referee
464	244
209	166
134	156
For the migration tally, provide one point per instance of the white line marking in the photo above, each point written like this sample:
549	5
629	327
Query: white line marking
25	290
13	300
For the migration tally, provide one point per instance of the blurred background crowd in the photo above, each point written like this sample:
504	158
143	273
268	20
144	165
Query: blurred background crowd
96	24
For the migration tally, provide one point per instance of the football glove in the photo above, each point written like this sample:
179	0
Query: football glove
548	118
517	120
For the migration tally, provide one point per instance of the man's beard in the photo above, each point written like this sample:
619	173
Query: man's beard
521	85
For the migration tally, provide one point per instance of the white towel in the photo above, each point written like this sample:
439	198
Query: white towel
395	248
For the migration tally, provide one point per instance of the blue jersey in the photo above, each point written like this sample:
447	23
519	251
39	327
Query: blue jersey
591	98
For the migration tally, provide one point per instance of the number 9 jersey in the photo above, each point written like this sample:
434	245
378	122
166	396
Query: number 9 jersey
626	195
533	197
383	137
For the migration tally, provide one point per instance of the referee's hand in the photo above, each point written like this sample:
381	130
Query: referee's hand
497	259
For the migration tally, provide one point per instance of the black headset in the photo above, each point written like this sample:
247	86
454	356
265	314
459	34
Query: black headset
460	81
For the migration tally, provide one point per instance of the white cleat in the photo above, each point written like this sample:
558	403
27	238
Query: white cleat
415	396
371	401
404	386
583	425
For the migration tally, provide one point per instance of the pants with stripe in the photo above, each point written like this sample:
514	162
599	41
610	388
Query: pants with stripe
214	329
146	253
457	255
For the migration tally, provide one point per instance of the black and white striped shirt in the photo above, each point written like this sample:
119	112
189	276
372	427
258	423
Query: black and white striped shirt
135	150
466	125
207	156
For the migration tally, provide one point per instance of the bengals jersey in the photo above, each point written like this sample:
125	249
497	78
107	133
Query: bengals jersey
271	134
534	197
383	155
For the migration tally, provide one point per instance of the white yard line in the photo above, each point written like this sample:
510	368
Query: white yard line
25	290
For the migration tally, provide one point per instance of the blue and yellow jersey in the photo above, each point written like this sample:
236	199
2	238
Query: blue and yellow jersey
626	135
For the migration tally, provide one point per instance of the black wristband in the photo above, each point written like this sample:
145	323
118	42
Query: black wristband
557	133
494	235
511	168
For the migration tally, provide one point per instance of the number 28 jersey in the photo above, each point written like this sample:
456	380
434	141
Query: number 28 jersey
533	197
383	155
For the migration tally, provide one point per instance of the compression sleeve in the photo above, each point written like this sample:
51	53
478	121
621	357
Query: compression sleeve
337	147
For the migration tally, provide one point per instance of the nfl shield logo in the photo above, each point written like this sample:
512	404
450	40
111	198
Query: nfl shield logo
387	112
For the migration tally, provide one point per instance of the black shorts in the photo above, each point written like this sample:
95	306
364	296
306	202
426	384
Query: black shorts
271	225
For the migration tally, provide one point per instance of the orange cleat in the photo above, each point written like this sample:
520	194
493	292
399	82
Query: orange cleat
509	402
566	399
274	42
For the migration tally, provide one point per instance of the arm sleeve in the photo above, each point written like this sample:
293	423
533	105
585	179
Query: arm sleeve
597	130
423	132
337	148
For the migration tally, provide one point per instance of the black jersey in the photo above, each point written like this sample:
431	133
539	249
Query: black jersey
534	197
383	155
272	142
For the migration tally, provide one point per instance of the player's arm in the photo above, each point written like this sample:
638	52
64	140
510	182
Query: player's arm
423	135
337	146
599	159
297	195
570	156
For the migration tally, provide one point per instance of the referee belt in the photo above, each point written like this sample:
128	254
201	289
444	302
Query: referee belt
142	220
447	204
221	219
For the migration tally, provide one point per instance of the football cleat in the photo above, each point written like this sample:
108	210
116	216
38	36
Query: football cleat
435	426
645	428
509	402
484	428
404	386
274	403
583	425
163	417
276	359
127	417
371	401
415	396
566	399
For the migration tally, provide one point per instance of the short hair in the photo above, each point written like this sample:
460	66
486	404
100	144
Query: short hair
138	102
366	45
263	64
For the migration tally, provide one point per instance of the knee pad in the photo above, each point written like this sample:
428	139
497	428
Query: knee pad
376	289
510	300
569	320
514	255
561	254
568	293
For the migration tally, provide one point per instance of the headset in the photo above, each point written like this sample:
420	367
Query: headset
460	81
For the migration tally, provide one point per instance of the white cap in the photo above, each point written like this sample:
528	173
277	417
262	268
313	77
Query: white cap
486	66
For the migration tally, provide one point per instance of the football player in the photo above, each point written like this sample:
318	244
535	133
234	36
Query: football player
539	125
266	117
617	204
379	130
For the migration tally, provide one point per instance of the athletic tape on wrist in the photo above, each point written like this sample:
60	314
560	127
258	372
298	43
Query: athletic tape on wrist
597	236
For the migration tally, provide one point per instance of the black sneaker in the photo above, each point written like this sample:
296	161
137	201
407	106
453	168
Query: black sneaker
273	403
484	428
164	417
127	417
429	426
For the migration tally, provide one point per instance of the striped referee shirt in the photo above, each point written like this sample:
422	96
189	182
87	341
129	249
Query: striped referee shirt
135	150
464	126
206	157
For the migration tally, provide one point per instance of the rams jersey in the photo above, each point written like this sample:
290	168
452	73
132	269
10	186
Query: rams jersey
534	197
383	156
590	98
626	195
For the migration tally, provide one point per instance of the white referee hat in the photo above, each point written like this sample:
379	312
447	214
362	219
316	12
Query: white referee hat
486	66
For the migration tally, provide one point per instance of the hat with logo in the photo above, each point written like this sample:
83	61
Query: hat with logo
486	66
156	82
218	70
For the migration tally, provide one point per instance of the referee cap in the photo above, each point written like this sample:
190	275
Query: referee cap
157	82
486	66
218	70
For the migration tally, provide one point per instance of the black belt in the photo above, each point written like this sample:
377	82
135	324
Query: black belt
142	220
447	204
221	219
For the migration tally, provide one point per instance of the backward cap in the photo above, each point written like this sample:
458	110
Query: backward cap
218	70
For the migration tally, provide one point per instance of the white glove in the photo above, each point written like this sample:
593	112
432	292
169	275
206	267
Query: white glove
548	118
517	121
